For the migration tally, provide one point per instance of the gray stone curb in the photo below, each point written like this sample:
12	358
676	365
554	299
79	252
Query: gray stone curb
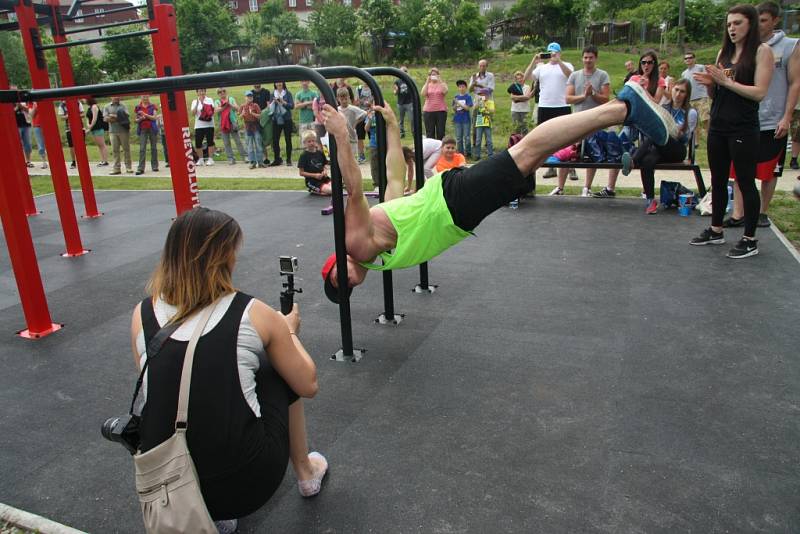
26	520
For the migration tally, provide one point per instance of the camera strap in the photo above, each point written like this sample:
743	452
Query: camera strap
153	348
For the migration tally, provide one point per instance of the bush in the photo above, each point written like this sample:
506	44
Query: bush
337	55
520	48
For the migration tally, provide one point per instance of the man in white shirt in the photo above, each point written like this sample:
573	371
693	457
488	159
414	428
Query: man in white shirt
552	75
203	110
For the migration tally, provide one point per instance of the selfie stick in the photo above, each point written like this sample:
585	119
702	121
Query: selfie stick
287	295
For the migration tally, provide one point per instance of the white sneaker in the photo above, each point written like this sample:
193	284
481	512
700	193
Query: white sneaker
199	163
44	164
556	192
209	162
309	488
586	192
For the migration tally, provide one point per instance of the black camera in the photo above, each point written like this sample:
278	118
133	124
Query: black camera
124	430
545	55
288	265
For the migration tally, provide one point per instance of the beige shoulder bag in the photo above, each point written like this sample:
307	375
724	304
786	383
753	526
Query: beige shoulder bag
166	479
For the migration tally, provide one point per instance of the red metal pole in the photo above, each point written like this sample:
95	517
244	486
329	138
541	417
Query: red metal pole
75	121
26	18
18	235
21	172
173	106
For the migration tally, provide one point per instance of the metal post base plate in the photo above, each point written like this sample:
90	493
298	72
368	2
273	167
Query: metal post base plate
398	318
419	289
355	358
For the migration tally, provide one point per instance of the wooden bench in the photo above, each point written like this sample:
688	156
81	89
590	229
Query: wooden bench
698	175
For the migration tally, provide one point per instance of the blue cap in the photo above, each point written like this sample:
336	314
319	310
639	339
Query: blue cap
248	93
554	47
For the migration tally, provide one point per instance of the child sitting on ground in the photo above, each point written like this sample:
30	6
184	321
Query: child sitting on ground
449	158
312	164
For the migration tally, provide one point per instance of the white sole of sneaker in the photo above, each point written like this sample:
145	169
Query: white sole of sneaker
712	242
753	252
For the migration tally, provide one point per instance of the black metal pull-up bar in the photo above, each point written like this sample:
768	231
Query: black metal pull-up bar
104	26
101	39
388	316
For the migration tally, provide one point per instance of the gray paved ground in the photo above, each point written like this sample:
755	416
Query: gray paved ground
581	369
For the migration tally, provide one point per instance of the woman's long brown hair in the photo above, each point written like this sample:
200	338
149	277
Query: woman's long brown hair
745	68
197	261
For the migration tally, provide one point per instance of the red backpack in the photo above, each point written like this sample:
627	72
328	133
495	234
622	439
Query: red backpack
206	112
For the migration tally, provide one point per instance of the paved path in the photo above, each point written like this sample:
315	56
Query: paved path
241	170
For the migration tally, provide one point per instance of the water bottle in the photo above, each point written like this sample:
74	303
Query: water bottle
729	207
514	204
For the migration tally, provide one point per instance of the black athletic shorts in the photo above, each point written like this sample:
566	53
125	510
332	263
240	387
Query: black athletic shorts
361	130
545	114
474	192
203	133
771	156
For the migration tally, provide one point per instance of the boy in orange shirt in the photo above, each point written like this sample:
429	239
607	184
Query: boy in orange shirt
449	158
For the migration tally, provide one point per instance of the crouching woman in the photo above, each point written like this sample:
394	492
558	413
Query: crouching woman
245	418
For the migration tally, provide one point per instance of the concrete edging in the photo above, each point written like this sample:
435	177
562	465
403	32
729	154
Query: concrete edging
29	521
788	244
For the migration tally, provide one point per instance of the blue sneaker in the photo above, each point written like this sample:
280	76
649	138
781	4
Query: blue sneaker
627	163
650	118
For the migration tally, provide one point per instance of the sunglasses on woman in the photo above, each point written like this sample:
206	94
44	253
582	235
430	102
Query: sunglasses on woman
647	62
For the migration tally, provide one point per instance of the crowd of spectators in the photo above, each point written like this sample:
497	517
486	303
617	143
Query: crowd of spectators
549	87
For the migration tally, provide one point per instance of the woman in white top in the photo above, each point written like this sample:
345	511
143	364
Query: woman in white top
203	111
245	418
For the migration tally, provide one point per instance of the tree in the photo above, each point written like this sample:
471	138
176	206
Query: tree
411	37
269	30
85	66
550	18
204	27
375	19
453	21
123	57
15	60
495	14
333	24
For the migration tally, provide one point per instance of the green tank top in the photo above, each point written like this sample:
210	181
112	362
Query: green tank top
424	227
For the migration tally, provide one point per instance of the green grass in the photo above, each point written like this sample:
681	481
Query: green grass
784	210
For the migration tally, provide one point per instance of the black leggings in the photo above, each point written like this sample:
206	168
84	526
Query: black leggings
743	152
648	155
434	123
276	139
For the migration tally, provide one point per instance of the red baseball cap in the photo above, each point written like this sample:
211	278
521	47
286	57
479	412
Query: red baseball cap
331	292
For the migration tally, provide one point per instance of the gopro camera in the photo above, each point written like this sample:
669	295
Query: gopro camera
545	55
288	265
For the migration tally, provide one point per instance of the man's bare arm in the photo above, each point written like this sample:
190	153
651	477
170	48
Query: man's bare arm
336	125
395	162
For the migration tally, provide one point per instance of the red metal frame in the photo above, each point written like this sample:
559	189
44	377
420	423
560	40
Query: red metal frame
173	107
75	121
21	171
26	18
18	234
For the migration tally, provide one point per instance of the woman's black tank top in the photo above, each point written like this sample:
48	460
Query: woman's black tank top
100	122
731	113
223	433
